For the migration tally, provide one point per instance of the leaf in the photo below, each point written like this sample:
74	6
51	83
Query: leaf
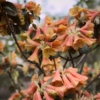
15	75
9	8
15	19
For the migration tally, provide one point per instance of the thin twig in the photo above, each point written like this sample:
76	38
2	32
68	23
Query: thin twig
16	85
71	60
91	82
84	59
2	54
65	63
68	59
95	47
80	60
13	34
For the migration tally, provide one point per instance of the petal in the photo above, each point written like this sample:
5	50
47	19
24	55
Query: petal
37	96
34	56
47	97
57	81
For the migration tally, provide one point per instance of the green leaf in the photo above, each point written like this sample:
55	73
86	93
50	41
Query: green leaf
15	75
9	8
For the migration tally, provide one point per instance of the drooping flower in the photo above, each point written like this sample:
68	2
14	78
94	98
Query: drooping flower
37	96
75	38
87	29
30	90
34	56
47	97
31	6
48	51
97	96
90	14
48	21
75	12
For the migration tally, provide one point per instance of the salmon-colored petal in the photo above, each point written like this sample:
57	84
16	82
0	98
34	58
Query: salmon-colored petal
57	81
47	97
72	79
60	90
37	96
30	90
34	56
68	84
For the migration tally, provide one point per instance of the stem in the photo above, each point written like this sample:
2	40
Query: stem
68	59
71	60
2	54
80	60
92	82
65	63
84	59
13	34
16	86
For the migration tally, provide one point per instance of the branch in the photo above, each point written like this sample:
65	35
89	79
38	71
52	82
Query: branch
91	82
84	59
13	34
80	60
2	54
71	60
68	59
16	85
65	63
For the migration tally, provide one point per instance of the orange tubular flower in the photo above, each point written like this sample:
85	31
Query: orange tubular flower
47	97
31	45
37	96
75	12
61	26
51	92
60	90
62	22
74	38
88	29
34	56
48	32
31	6
46	62
67	83
30	90
89	14
57	81
48	21
48	51
97	97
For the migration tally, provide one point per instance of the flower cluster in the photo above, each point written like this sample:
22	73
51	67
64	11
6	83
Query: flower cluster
59	83
42	45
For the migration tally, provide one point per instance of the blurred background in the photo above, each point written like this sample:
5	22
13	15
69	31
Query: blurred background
56	9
